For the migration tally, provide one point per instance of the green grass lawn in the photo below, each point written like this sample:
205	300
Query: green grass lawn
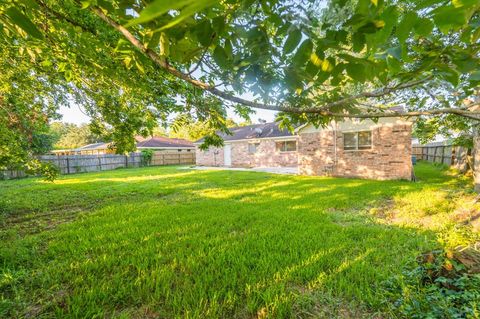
168	242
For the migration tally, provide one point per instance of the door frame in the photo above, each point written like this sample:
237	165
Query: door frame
229	153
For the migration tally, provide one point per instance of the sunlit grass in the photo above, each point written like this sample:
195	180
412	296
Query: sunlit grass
164	242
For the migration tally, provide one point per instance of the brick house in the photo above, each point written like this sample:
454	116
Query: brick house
350	148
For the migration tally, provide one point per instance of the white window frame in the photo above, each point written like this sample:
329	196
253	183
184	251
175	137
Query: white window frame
285	143
256	144
357	146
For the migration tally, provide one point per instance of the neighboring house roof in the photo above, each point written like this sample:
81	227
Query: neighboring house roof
139	138
264	130
94	146
164	142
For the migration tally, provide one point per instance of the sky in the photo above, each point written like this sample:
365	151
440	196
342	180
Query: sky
74	115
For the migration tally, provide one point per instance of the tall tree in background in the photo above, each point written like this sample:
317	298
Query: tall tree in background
186	127
352	59
68	136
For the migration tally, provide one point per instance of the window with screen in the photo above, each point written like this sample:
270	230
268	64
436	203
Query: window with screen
252	147
357	140
286	146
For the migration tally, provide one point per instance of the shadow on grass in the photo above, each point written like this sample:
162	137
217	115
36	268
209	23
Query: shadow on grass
206	244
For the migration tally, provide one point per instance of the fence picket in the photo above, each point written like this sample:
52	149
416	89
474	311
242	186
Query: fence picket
445	154
70	164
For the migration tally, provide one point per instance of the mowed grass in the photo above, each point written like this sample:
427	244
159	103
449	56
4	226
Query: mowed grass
168	242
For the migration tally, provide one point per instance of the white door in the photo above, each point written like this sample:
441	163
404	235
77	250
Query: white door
227	155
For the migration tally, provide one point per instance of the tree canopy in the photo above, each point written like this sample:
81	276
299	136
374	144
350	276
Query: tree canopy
67	135
129	63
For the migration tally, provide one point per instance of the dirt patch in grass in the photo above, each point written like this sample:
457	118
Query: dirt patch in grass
27	223
315	304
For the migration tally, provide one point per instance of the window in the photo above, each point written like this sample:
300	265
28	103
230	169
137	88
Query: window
252	147
357	140
286	146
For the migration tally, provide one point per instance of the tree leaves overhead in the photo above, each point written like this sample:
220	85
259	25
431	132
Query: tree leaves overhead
294	56
23	22
292	41
160	7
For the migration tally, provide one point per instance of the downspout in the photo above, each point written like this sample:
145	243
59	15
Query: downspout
334	127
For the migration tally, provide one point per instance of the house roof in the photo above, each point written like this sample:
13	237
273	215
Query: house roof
94	146
164	142
264	130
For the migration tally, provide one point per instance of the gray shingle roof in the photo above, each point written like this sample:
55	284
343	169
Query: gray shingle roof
160	141
264	130
94	146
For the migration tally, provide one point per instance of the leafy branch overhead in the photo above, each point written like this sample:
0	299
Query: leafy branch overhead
129	64
298	57
302	63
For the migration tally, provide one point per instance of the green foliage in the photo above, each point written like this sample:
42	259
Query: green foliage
67	136
439	287
285	53
147	155
459	130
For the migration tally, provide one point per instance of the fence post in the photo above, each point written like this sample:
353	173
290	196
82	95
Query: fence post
68	165
99	163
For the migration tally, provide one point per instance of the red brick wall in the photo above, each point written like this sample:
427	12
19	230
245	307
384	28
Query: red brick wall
265	156
389	158
212	157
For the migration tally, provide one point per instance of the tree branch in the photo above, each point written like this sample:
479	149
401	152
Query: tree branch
321	110
456	111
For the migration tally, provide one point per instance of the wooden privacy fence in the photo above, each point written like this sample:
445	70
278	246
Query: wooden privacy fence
71	164
172	158
445	154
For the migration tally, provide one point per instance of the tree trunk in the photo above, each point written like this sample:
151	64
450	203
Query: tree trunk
476	160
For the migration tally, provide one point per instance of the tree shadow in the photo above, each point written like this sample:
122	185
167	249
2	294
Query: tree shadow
214	244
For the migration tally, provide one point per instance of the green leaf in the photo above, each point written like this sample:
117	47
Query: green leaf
161	7
204	33
394	65
139	67
188	11
156	9
218	24
303	53
475	35
423	27
164	45
356	71
395	52
475	76
228	48
23	22
312	69
449	17
390	16
449	74
154	41
406	26
220	57
422	4
358	41
292	41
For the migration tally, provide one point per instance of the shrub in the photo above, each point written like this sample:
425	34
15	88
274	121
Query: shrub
439	287
146	157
